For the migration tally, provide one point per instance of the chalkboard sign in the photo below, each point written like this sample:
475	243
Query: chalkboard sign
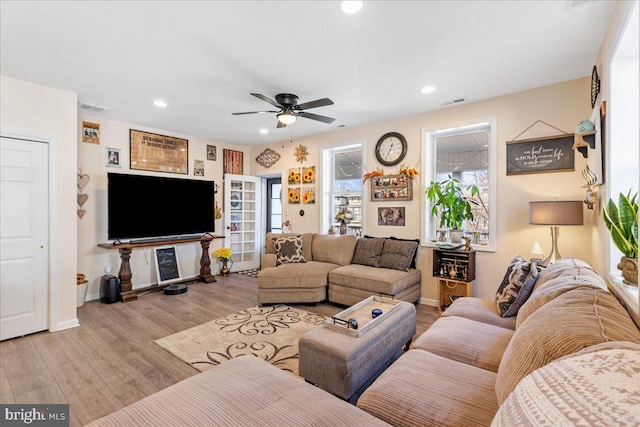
167	265
550	154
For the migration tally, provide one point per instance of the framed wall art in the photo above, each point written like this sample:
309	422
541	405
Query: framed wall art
112	157
212	152
198	167
158	153
393	216
233	162
91	133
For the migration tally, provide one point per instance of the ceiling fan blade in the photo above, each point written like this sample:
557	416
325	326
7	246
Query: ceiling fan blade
265	99
317	117
281	125
254	112
314	104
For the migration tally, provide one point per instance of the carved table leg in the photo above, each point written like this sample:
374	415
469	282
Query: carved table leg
205	263
126	289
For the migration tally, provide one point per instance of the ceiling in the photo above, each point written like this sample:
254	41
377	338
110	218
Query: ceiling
205	58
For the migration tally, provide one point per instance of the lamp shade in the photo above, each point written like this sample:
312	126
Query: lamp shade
556	213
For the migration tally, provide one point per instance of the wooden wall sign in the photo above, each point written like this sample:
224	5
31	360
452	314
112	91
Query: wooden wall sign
167	266
537	155
233	162
158	153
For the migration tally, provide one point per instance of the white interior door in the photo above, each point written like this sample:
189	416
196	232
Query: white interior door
242	220
24	248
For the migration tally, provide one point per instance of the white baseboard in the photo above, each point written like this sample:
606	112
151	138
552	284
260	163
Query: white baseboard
429	302
92	297
67	325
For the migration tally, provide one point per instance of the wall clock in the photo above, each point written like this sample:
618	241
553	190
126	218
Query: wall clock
595	86
391	149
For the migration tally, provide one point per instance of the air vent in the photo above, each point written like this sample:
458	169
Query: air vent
92	107
455	101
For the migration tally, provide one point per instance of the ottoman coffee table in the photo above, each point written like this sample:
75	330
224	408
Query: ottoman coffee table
341	360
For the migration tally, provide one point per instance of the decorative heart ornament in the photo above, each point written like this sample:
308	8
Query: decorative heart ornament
81	213
82	199
83	180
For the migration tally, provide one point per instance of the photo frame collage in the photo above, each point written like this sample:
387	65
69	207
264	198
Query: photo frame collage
302	189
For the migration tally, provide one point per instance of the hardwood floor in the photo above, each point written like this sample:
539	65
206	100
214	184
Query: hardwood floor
111	361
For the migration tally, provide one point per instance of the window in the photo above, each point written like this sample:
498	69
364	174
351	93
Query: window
274	205
343	187
465	153
623	155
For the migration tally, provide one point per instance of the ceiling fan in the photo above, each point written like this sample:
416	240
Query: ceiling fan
290	110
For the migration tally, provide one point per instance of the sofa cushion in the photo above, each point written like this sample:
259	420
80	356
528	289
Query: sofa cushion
481	310
415	255
307	240
397	254
374	280
288	250
516	286
574	320
596	386
333	249
467	341
367	252
291	276
424	389
565	267
553	289
245	391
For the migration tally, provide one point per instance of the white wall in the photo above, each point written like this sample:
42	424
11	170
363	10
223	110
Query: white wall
563	105
28	107
92	228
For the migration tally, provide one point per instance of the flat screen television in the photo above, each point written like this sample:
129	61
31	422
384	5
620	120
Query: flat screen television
140	206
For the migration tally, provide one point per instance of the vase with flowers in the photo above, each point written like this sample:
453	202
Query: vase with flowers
224	255
345	216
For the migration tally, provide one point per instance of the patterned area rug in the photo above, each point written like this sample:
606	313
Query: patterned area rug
251	273
270	333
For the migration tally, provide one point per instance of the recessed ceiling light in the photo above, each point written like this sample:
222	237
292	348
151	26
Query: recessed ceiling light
264	131
159	103
428	89
351	7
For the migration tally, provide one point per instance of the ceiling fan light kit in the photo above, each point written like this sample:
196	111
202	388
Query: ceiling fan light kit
287	118
290	110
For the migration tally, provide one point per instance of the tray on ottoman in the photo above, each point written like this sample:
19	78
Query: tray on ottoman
362	313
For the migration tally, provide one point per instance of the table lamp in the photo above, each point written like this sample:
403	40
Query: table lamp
554	214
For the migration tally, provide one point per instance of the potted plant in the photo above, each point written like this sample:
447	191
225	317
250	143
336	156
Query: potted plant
452	205
622	223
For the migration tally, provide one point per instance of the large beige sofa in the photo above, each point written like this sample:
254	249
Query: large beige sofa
464	369
570	357
329	267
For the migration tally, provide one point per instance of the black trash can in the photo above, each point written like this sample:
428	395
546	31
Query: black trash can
109	289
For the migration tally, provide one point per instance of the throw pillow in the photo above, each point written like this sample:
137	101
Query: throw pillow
367	251
415	255
397	254
288	250
516	286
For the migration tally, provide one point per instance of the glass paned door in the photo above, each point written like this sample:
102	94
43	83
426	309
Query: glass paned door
242	219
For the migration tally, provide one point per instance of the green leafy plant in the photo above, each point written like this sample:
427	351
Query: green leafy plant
450	202
622	223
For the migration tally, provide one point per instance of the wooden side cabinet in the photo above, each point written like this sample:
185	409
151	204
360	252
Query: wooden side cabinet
449	290
455	271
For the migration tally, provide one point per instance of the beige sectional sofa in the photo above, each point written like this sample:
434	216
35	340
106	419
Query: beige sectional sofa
329	267
570	357
466	366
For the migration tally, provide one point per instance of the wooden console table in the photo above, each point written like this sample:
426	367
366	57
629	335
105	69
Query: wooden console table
124	274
